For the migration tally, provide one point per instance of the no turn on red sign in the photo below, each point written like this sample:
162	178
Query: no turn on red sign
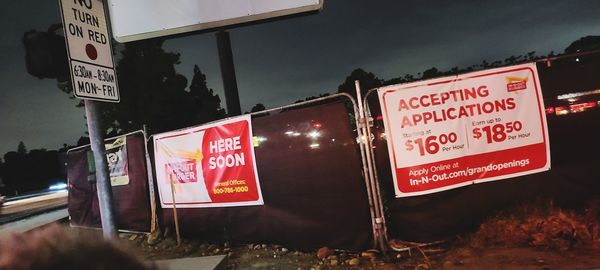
90	54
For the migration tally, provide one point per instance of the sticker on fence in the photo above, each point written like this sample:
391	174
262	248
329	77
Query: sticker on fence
208	166
118	167
455	131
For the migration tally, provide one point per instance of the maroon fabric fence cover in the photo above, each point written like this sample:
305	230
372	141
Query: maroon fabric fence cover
573	143
313	190
132	200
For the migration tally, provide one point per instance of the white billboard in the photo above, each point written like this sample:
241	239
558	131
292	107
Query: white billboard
141	19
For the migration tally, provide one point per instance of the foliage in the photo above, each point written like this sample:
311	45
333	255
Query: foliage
34	170
21	149
584	44
367	81
46	54
209	104
258	107
541	224
311	98
154	94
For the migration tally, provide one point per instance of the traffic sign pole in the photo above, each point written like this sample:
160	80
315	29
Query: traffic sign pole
93	77
103	186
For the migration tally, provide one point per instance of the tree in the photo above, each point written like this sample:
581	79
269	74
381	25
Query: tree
28	171
431	73
207	104
11	170
21	149
83	141
367	80
312	98
152	92
258	107
2	184
155	95
149	87
46	54
584	44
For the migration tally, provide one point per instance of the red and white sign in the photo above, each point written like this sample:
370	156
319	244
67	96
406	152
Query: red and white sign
456	131
90	54
208	166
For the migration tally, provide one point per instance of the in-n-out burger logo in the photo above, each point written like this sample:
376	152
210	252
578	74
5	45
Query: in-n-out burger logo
516	83
181	172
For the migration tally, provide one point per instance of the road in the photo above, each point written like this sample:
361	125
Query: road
17	209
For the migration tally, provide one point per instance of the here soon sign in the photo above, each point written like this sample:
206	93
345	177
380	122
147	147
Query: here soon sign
89	49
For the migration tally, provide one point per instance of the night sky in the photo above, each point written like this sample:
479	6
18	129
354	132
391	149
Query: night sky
280	62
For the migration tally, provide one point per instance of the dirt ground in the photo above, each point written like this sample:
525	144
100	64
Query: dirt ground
454	255
521	258
538	236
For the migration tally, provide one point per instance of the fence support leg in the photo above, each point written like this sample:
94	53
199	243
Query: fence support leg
378	222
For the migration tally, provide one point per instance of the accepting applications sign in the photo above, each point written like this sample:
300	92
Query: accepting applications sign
208	166
142	19
472	128
90	54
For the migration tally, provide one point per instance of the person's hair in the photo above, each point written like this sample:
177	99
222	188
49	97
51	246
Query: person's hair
56	247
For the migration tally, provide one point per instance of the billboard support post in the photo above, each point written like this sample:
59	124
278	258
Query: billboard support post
232	98
104	189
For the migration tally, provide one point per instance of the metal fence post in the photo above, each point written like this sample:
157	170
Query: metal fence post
150	178
373	166
374	187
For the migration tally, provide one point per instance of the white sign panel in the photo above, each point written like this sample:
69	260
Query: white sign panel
455	131
90	53
141	19
208	166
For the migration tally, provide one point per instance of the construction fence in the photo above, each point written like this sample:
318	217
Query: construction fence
320	173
